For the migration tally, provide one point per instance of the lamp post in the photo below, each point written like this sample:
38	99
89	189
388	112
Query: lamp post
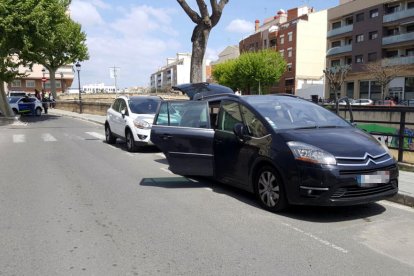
61	82
78	68
43	78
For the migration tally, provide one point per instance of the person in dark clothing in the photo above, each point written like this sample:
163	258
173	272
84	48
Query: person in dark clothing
45	101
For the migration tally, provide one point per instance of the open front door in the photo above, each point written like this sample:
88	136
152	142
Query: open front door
182	131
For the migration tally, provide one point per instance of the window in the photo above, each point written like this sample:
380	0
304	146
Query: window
289	67
391	54
373	35
409	52
360	17
16	83
349	21
359	59
289	51
350	90
364	89
372	56
348	60
290	35
30	83
359	38
282	39
409	84
282	53
265	43
289	82
336	44
229	116
410	5
410	28
373	13
335	62
336	25
254	125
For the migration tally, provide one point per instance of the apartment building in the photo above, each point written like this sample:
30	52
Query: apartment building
38	78
176	71
299	36
364	31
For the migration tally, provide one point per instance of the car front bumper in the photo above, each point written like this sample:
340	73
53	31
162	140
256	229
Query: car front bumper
338	187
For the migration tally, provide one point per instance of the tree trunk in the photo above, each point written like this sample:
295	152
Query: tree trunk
52	78
4	104
199	39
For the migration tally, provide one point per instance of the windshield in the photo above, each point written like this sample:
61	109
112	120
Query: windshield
292	113
14	99
144	105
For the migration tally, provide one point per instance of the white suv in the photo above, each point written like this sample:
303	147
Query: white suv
131	118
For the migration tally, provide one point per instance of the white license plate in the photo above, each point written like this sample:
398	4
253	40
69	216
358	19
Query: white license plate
374	179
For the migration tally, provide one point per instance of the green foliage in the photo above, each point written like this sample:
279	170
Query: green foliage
251	71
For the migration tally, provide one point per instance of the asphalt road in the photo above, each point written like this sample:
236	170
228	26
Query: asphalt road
70	204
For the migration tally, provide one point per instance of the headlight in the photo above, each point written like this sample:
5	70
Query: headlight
141	124
311	154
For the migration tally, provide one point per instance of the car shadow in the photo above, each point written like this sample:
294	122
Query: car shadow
121	144
36	119
318	214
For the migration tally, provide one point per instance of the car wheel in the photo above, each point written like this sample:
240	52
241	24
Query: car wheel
269	189
15	111
130	142
109	137
38	111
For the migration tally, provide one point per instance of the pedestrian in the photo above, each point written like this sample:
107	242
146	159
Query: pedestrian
51	100
37	95
45	101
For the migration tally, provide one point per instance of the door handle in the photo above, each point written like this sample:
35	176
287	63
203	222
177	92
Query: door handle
165	136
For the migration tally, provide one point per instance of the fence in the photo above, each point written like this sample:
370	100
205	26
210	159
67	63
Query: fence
393	126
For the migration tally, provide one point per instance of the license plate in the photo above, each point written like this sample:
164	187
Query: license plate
374	179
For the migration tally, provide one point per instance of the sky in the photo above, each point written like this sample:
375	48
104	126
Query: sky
138	36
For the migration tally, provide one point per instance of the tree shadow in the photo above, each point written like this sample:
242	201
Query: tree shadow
318	214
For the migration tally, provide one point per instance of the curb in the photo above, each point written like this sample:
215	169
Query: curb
403	199
78	117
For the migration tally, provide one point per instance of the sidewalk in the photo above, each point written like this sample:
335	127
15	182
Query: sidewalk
405	194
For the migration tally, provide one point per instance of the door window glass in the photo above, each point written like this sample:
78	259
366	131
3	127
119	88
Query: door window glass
254	125
184	114
123	106
229	116
115	105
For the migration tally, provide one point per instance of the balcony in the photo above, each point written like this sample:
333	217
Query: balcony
339	50
398	15
397	38
398	61
341	30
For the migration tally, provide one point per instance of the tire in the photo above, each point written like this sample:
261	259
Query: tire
38	111
15	111
269	189
130	142
109	137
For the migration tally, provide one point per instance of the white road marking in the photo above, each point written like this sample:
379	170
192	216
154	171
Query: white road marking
160	154
96	135
166	170
397	205
47	137
316	238
19	138
19	123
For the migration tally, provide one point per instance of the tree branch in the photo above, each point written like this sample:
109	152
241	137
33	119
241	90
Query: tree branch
190	12
217	10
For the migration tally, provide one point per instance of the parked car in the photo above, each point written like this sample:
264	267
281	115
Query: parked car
130	118
385	103
407	102
17	94
25	105
284	149
363	102
343	101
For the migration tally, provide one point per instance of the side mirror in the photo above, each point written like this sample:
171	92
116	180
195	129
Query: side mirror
123	112
240	132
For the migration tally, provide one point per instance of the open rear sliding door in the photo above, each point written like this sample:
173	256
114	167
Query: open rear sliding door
182	131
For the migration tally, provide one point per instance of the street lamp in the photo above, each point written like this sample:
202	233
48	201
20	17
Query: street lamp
44	79
78	68
61	82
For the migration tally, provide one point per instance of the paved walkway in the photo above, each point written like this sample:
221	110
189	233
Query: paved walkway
406	180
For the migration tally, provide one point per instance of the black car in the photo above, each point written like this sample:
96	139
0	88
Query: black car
284	149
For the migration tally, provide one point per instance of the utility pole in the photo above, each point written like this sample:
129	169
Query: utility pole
114	74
